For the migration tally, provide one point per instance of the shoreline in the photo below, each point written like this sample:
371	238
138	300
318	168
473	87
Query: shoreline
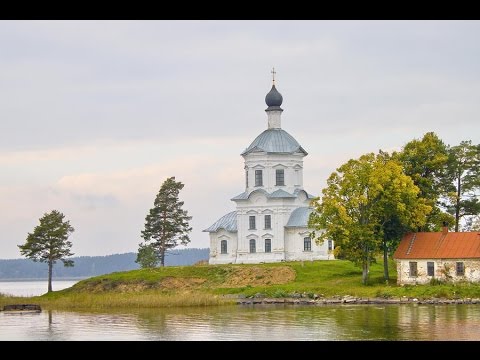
351	300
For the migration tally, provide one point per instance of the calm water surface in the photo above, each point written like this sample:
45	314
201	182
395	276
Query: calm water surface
32	288
259	322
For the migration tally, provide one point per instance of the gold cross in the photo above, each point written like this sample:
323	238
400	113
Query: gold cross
273	75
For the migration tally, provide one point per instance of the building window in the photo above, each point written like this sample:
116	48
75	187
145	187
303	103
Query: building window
280	177
251	223
413	268
268	245
253	246
223	246
258	178
307	244
246	178
330	245
460	269
297	177
430	268
268	221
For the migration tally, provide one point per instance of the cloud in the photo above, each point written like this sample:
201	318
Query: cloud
96	115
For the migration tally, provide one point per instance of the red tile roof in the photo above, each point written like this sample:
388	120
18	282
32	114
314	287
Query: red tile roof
437	245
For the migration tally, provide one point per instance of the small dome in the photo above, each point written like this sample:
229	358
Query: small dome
274	98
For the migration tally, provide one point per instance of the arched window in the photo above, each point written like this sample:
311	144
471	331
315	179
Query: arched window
307	244
268	245
223	247
253	246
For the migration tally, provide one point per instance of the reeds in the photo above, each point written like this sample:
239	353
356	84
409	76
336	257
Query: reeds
109	300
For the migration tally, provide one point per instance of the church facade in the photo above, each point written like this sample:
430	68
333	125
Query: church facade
271	216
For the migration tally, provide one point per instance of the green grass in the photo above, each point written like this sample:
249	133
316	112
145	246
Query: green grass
204	285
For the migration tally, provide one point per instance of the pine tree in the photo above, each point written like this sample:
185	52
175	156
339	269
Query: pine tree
49	242
166	224
464	182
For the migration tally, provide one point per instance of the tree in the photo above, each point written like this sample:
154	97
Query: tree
463	181
473	223
167	223
147	256
425	161
49	242
360	199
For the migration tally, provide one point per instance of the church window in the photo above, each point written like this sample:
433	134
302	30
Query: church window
280	177
223	246
251	223
258	178
246	178
297	177
330	245
268	221
307	244
268	245
253	247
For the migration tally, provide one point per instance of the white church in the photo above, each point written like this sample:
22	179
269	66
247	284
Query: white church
271	217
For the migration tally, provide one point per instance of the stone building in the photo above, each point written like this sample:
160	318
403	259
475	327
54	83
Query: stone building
452	256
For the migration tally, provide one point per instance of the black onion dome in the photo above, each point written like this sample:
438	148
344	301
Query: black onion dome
273	99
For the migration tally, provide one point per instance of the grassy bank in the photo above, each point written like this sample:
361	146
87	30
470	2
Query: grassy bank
206	285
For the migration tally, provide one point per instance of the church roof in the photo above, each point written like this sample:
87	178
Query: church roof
275	141
299	217
277	194
309	196
280	193
227	222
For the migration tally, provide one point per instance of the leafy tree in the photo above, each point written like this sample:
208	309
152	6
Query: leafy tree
473	223
167	223
49	242
463	181
360	199
425	161
147	256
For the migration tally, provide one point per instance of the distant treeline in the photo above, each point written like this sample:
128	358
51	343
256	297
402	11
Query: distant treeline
87	266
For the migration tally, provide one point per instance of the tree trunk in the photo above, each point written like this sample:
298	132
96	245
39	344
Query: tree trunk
50	268
457	205
365	272
385	262
162	256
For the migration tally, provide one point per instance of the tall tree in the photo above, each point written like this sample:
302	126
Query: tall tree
166	224
425	161
49	242
361	197
463	181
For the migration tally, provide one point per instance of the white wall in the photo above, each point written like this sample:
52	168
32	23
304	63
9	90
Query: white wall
268	163
216	257
295	246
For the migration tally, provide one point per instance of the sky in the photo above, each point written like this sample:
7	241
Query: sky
96	115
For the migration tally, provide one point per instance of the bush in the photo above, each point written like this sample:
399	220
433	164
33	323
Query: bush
435	281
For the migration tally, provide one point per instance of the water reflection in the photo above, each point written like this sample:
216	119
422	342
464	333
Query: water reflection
267	322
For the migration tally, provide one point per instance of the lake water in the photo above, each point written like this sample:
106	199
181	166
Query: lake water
32	288
259	322
252	322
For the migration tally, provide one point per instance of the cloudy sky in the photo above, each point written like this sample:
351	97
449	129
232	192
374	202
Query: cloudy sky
95	115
